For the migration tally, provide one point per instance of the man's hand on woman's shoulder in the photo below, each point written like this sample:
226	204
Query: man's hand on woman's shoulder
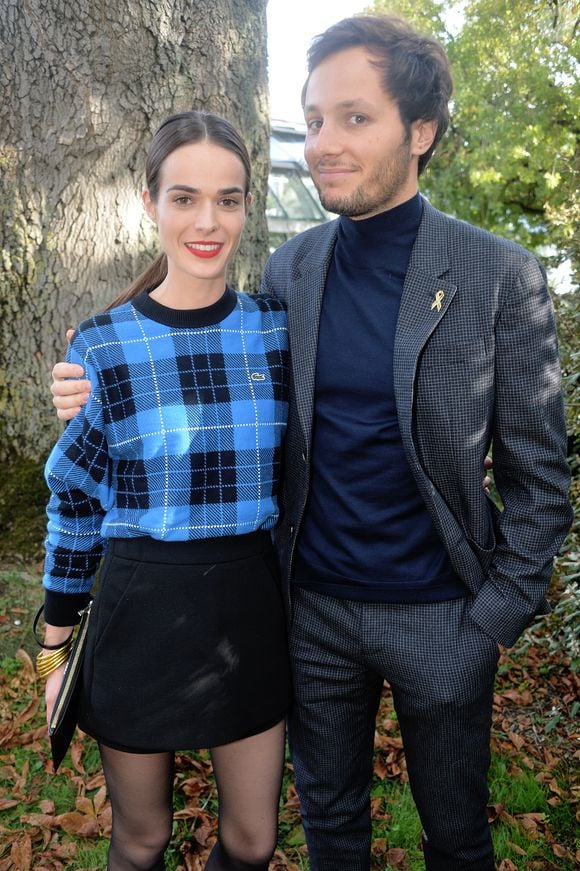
70	391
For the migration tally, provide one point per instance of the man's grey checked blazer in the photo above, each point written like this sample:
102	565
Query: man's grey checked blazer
475	361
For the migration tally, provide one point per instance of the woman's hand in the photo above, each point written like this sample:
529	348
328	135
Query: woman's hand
51	689
54	636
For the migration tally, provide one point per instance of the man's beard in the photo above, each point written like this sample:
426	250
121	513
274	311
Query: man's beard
378	193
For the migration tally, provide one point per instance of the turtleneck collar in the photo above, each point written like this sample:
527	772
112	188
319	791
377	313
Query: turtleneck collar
193	317
366	239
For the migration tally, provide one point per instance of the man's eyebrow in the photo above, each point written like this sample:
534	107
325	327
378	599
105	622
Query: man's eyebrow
357	103
189	190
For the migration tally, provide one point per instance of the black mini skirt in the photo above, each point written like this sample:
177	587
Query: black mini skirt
186	644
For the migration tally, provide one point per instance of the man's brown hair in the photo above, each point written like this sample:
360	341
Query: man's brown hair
415	67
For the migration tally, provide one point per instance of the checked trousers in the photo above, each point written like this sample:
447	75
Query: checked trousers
441	667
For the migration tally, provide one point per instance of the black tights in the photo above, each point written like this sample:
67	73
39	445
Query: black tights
219	860
140	787
248	774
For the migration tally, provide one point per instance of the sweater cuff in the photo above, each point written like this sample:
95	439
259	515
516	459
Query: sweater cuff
62	609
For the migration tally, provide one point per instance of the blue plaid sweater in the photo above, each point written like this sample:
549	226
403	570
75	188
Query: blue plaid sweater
180	439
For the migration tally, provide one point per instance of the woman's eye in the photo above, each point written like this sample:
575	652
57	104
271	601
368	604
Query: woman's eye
314	125
182	201
358	119
229	203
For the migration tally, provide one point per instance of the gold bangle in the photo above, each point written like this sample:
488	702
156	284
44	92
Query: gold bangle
44	666
50	661
46	663
55	655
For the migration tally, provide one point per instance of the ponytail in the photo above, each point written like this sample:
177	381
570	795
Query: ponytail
148	280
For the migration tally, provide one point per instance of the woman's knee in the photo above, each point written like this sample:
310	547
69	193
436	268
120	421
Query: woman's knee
156	843
143	847
255	848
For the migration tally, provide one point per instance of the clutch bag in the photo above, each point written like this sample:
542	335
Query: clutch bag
63	721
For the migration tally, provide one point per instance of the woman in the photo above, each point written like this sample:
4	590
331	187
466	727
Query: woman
170	470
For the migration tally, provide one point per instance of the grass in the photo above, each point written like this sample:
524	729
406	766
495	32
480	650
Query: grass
564	822
20	595
524	832
23	498
531	783
521	792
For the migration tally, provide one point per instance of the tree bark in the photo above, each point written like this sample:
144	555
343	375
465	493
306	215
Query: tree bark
84	86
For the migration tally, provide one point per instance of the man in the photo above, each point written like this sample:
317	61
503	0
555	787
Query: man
417	341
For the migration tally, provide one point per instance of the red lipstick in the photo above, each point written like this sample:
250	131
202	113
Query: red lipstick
205	250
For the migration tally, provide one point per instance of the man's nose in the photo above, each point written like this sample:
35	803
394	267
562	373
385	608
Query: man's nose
327	140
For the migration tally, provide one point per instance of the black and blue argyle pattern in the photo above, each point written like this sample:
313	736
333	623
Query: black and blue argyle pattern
180	439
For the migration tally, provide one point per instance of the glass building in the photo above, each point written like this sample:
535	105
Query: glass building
293	203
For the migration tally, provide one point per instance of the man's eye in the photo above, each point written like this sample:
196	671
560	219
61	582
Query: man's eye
358	119
314	125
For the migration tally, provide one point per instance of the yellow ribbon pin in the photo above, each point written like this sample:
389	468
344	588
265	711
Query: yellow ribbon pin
438	300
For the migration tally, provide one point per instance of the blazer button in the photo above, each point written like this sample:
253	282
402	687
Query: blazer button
291	529
303	457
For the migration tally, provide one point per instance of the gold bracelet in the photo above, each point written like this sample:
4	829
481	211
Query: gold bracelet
46	663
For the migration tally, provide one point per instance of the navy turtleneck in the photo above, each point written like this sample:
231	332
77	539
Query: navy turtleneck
367	534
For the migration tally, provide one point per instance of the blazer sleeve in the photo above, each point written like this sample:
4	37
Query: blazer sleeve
529	455
268	286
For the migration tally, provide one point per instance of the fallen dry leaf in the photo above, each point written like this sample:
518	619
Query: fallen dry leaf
21	853
29	671
562	852
396	858
81	825
7	803
515	848
494	811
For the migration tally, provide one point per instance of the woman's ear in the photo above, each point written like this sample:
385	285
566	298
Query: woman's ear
249	201
149	206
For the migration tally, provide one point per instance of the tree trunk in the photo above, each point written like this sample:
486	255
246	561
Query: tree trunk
84	86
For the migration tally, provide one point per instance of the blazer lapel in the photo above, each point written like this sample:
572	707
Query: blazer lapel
427	296
304	297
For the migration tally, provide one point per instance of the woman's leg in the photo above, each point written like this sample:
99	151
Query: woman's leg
140	787
248	774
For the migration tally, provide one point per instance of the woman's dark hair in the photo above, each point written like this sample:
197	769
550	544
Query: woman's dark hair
415	68
187	128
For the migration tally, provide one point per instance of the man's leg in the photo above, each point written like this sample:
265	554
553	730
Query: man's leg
332	730
443	692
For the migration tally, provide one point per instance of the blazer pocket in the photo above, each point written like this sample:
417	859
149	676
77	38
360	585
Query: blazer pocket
484	554
439	354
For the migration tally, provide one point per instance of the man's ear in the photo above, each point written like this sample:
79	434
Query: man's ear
423	134
149	206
